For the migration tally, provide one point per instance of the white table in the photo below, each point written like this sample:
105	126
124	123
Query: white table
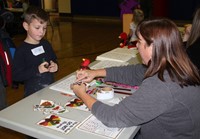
15	10
20	117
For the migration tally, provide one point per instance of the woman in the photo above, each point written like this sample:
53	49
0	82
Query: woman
192	39
166	105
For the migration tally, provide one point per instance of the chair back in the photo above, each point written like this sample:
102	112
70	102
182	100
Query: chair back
127	19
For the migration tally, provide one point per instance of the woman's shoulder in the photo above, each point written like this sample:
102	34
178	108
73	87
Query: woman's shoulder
155	80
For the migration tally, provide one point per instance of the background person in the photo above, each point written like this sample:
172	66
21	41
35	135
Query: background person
138	16
3	103
192	39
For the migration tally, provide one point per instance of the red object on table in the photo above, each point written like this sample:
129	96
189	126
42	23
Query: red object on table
85	64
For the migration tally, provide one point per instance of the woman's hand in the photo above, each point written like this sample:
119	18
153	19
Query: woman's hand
85	75
79	89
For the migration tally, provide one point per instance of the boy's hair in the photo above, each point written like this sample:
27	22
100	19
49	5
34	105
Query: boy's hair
35	13
138	15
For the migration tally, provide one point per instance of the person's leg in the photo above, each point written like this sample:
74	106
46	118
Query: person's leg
2	96
29	137
137	135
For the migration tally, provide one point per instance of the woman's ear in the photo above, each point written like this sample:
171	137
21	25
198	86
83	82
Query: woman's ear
151	45
150	49
25	25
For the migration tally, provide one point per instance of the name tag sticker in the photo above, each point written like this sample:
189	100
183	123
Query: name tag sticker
38	50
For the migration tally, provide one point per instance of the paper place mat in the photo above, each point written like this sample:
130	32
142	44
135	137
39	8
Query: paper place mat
107	64
64	85
133	52
94	126
112	56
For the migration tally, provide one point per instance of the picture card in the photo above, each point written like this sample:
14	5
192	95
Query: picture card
77	103
58	123
49	107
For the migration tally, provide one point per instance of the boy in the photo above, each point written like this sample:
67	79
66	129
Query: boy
34	60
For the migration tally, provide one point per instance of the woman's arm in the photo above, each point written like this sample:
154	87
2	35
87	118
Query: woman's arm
131	75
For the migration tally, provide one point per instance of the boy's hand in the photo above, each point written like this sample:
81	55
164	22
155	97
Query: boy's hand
53	67
43	67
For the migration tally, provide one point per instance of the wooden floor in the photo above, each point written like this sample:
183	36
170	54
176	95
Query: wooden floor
72	40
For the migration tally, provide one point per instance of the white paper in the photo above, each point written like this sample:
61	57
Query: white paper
118	54
107	64
133	52
64	85
38	50
94	126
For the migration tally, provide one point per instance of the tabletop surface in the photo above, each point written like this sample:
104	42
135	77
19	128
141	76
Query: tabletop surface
15	9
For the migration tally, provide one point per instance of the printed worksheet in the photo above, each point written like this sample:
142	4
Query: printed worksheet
133	52
113	56
118	54
107	64
94	126
64	85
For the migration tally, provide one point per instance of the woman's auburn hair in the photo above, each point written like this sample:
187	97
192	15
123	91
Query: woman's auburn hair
168	52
